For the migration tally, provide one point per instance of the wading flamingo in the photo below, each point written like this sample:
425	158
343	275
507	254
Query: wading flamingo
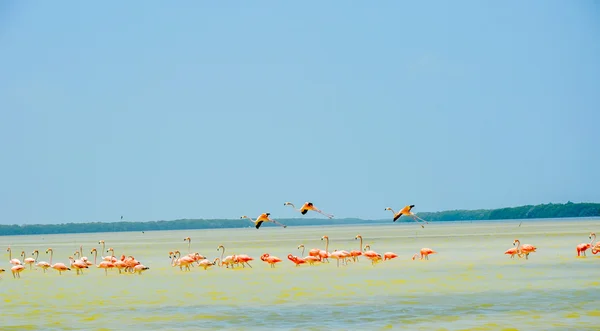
270	259
296	260
10	259
355	254
110	258
512	252
185	261
581	248
103	264
339	255
207	263
525	248
42	264
406	211
60	267
83	258
425	252
78	265
139	269
228	260
371	255
595	247
306	207
243	258
389	256
196	256
261	219
16	270
311	259
30	261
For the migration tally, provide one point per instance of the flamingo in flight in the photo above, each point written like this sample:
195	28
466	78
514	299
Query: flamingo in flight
263	218
406	211
306	207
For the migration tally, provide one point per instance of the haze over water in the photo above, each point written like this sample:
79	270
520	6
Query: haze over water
469	285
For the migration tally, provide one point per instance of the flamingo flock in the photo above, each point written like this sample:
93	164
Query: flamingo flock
129	265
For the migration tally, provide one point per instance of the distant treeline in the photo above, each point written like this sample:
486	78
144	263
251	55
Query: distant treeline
551	210
523	212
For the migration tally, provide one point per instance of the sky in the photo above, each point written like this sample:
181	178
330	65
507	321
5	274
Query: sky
157	110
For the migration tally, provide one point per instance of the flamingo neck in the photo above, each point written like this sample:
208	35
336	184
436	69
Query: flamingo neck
593	239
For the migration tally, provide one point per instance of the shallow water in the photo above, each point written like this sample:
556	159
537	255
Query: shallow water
469	285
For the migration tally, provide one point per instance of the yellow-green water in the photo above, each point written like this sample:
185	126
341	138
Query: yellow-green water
469	285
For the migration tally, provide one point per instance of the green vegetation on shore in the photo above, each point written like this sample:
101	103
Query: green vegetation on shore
523	212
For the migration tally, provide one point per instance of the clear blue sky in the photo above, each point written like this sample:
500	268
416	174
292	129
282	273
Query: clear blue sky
160	110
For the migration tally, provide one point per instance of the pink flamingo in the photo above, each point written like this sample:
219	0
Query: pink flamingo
30	261
185	261
78	265
356	253
16	270
339	255
325	254
243	258
104	264
270	259
11	260
42	264
110	258
207	263
389	256
371	255
60	267
525	248
227	261
296	260
581	248
306	207
407	212
139	268
425	252
263	218
311	259
595	247
512	252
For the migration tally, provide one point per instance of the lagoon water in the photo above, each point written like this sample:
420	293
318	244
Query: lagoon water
469	285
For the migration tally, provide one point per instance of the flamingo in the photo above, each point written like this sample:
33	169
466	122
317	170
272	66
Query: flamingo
206	263
83	258
60	267
270	259
581	248
227	261
103	264
261	219
371	255
512	252
42	264
389	256
296	260
325	254
30	261
525	248
185	261
311	259
595	247
139	268
243	258
16	270
425	252
11	260
356	253
406	211
110	258
78	265
339	255
306	207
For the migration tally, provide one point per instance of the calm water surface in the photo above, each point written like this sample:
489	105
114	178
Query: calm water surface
469	285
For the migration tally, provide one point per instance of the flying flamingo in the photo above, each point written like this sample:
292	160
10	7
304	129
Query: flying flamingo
356	253
16	270
60	267
296	260
11	260
581	248
270	259
104	264
263	218
311	259
525	248
42	264
28	260
227	261
306	207
406	211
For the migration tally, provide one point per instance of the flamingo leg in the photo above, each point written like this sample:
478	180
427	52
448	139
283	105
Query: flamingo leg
322	213
274	221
